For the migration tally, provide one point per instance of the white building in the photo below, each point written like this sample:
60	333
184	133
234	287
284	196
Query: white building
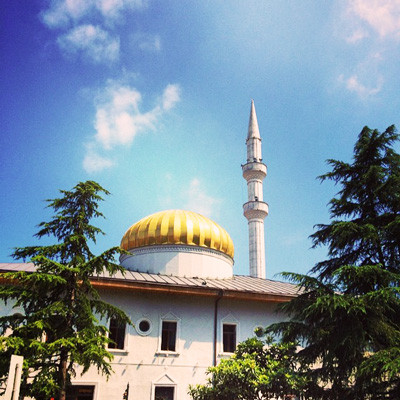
188	308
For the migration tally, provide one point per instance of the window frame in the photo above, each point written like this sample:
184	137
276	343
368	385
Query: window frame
165	386
83	384
170	317
234	334
164	380
228	320
125	339
168	336
137	326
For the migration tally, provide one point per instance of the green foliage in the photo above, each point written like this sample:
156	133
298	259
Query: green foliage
257	370
58	312
365	226
347	315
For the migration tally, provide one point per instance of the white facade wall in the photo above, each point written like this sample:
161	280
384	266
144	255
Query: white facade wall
143	366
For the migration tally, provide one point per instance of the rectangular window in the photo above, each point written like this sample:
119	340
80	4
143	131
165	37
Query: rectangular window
229	338
168	336
164	393
80	392
117	335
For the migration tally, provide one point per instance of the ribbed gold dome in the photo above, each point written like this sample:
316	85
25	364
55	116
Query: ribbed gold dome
178	227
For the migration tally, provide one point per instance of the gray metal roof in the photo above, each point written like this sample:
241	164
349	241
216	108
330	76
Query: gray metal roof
238	283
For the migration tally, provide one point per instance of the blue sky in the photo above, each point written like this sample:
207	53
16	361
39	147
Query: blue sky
151	98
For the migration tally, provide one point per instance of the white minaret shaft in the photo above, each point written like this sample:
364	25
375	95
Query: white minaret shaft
255	210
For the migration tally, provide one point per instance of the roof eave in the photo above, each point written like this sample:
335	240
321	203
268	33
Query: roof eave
105	283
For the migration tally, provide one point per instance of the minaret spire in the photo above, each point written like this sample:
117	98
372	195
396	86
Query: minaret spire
255	210
253	131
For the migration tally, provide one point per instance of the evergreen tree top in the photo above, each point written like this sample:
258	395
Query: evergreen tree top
365	213
58	301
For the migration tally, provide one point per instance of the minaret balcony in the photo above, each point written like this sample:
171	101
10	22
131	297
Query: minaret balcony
255	210
254	170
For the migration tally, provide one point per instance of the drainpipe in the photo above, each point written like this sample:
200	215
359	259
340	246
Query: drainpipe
219	297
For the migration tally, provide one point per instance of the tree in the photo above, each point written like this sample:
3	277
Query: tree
58	325
367	231
258	370
347	314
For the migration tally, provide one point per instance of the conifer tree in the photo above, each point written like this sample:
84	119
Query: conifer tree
60	320
365	227
347	314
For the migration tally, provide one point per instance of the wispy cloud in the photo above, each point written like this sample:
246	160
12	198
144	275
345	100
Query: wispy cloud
92	42
199	200
353	84
87	27
365	73
382	16
189	195
357	35
93	162
171	96
119	119
147	42
64	13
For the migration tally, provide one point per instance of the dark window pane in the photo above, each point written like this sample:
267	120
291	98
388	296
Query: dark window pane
229	338
117	335
80	392
168	336
144	326
164	393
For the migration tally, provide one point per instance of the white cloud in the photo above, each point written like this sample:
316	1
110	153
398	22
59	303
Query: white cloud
147	42
199	201
374	27
171	96
354	85
118	117
383	16
93	162
188	195
114	9
61	13
93	42
118	120
75	19
357	35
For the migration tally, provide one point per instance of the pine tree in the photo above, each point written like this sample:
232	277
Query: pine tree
347	314
366	215
61	320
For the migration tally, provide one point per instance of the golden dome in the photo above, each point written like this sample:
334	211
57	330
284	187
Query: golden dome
178	227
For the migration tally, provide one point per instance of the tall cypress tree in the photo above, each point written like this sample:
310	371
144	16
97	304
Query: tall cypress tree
347	313
58	324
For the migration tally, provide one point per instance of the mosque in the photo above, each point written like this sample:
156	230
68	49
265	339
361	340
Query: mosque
189	310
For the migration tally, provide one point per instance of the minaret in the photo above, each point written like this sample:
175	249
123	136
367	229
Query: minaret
255	210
